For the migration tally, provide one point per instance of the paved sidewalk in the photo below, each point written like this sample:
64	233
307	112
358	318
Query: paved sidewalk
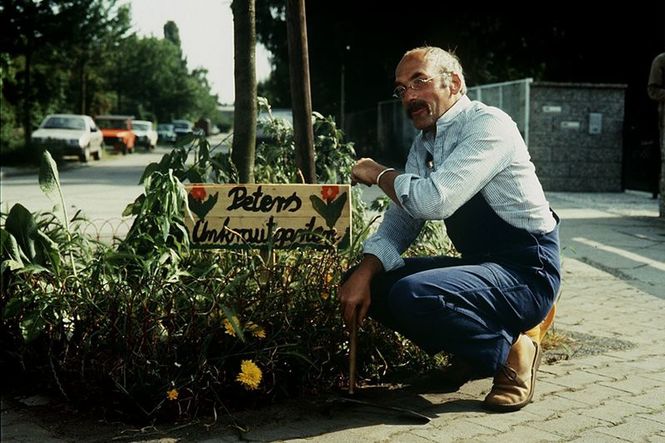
613	293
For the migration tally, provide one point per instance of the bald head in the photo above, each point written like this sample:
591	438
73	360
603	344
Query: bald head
444	61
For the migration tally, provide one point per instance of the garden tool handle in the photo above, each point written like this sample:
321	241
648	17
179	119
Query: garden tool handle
352	353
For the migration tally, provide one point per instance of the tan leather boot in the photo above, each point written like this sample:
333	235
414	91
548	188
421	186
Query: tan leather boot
514	383
537	333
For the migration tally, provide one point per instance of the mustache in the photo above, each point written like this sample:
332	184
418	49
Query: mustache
414	106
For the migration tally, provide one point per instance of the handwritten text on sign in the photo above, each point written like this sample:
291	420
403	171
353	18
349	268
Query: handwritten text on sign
259	215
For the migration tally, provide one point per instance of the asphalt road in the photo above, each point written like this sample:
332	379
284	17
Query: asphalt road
101	189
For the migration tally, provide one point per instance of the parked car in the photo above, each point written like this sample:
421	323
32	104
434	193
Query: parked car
182	128
117	130
145	135
285	117
70	134
166	133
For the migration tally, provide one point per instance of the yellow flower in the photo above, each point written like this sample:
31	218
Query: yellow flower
329	278
250	375
172	394
325	295
229	327
256	330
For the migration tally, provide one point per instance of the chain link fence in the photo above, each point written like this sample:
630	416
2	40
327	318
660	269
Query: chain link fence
386	133
512	97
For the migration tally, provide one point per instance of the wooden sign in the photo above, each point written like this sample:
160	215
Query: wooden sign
268	215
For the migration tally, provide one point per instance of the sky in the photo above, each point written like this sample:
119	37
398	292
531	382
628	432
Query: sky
206	36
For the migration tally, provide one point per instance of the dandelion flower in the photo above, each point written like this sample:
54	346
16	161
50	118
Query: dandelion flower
229	326
256	330
172	394
250	375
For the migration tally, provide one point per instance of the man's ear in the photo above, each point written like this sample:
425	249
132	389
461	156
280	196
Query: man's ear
455	83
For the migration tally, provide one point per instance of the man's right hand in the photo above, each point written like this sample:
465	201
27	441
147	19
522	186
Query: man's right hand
354	294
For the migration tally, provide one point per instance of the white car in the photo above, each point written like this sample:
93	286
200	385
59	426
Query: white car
146	136
70	134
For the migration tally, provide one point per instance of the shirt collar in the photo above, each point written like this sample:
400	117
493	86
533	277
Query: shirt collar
463	103
447	118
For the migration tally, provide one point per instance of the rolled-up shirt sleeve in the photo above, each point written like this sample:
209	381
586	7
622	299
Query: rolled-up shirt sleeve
395	234
397	231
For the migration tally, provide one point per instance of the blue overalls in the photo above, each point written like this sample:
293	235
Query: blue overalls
475	306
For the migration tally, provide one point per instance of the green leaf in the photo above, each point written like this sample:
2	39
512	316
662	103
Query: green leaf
134	208
12	265
184	141
194	176
346	240
22	225
10	250
233	319
49	179
147	172
14	307
32	326
204	150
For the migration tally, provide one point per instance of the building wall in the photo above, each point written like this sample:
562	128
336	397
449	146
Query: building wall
576	135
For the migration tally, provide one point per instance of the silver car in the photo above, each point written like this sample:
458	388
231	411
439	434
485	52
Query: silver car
70	134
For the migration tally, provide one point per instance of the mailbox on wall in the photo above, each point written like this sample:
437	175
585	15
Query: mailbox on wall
595	123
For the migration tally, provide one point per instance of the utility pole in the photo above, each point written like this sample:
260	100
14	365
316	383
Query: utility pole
342	88
341	100
301	98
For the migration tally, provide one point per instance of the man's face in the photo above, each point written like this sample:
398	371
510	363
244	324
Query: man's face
431	99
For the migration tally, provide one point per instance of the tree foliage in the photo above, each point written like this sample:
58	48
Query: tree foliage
79	56
494	42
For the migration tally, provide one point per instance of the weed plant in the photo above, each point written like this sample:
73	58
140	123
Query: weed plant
151	329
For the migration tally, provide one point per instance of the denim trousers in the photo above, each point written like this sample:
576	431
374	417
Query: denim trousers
472	307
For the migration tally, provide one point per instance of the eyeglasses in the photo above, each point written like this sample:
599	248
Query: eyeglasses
416	84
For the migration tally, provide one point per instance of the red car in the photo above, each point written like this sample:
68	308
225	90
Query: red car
117	131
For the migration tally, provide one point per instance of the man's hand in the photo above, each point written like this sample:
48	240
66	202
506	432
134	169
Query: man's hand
354	297
365	171
354	294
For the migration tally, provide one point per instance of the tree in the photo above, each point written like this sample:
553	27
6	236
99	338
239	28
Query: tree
172	34
25	27
96	27
244	121
300	89
497	45
54	45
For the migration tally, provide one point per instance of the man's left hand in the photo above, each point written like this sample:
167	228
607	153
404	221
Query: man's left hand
365	171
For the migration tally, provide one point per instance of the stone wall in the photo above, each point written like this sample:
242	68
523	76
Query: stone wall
576	135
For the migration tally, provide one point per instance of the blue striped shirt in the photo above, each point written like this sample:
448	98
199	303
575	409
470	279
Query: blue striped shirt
477	148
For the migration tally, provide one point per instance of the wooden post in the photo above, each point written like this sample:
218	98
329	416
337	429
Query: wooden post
353	351
244	120
296	26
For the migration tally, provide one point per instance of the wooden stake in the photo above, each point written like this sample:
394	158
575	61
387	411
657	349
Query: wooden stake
352	354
